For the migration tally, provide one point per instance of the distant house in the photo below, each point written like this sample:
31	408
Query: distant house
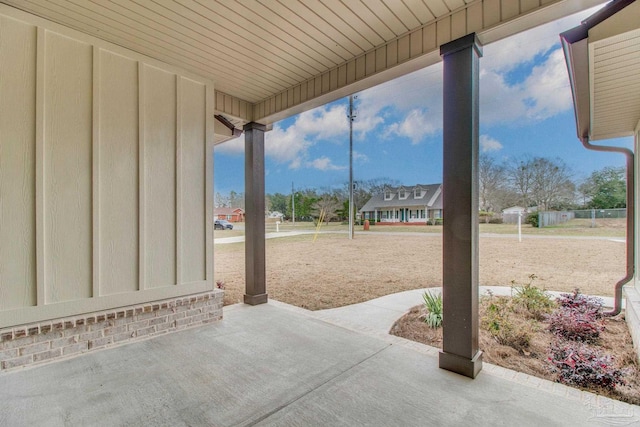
230	214
408	204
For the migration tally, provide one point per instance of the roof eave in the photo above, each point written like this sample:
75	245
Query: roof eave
575	44
576	55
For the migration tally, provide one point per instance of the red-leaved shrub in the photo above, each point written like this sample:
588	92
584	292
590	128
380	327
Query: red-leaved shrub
577	318
581	303
580	365
573	325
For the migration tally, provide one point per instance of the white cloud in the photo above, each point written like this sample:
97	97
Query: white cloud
291	145
420	90
524	47
547	88
544	93
324	164
416	125
233	146
287	145
323	122
489	144
360	157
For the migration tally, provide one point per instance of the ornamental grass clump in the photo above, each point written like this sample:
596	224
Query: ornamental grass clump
433	305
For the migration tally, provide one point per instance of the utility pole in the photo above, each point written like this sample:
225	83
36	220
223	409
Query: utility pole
293	206
351	118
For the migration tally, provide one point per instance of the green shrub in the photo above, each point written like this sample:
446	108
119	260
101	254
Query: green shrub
532	219
433	305
485	217
497	321
537	302
495	220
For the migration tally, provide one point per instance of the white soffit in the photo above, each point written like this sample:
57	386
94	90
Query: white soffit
614	70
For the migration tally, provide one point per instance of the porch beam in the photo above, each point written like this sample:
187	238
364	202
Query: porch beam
255	271
460	352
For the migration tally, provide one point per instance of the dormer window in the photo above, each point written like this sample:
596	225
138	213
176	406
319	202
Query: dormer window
388	195
403	194
418	193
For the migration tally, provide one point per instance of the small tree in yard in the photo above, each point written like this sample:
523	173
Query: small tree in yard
492	179
325	208
543	182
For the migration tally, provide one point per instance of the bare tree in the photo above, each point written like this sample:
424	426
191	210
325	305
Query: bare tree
552	184
492	183
221	201
543	182
236	200
521	180
324	209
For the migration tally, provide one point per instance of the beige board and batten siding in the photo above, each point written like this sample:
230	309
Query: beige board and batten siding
106	175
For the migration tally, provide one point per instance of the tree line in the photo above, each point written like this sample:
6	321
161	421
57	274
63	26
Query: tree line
546	183
310	202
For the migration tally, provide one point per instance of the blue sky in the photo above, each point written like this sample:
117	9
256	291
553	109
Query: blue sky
525	109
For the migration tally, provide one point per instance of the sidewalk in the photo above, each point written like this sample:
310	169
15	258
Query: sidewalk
377	316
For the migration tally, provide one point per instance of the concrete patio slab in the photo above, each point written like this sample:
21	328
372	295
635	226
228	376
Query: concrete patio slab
275	364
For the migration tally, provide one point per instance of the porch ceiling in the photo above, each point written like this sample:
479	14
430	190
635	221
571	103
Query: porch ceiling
614	63
270	59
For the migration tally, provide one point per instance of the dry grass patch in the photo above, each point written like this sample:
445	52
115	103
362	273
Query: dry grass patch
334	271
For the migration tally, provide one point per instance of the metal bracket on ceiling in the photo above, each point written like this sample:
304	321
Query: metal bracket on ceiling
234	130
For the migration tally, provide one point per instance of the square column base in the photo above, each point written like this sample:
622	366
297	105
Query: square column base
255	299
461	365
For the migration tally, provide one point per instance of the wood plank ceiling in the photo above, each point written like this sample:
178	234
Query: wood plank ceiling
256	50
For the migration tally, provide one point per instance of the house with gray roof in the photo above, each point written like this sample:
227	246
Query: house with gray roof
405	204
